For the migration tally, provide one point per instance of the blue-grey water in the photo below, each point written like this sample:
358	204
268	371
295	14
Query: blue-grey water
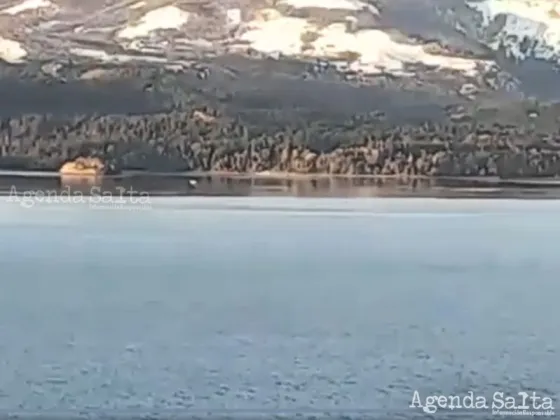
276	304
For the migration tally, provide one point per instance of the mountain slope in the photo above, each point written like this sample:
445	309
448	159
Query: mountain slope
263	53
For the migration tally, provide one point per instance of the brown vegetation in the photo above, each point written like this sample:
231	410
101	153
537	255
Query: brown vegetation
349	56
83	166
309	37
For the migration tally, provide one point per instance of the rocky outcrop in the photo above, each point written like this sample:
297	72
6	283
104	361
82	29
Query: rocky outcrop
83	166
521	29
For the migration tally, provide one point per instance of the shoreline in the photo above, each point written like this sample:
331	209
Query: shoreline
544	182
244	185
182	143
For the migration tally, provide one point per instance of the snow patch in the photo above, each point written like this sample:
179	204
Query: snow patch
104	57
168	17
91	53
371	51
27	5
11	51
529	28
278	35
138	5
354	5
233	16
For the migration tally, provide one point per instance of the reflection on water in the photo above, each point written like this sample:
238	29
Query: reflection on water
269	186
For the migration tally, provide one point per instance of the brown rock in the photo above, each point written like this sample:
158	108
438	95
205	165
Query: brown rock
83	166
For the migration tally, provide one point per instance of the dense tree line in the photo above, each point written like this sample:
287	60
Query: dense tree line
202	140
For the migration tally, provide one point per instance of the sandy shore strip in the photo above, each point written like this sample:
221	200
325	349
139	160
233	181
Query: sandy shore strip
283	176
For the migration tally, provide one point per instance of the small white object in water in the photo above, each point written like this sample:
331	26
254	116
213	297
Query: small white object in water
193	182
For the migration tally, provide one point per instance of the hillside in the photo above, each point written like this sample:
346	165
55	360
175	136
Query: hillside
128	78
337	41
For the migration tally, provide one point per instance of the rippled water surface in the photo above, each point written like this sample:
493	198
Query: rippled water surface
273	303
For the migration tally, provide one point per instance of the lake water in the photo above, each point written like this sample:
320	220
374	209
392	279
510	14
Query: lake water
261	305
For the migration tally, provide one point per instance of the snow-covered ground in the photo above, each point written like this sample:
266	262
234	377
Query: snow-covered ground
352	5
112	58
349	33
11	51
27	5
522	28
371	50
168	17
